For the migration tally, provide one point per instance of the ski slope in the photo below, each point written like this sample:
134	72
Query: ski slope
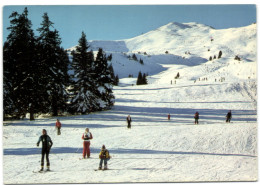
157	149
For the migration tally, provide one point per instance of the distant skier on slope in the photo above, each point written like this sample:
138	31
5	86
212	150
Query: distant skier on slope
196	117
58	127
87	136
228	117
103	156
169	116
46	147
128	120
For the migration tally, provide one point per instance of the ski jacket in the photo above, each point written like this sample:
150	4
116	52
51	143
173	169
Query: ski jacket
129	120
229	115
87	136
104	154
196	116
46	142
58	124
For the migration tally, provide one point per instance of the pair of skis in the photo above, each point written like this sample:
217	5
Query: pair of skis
42	171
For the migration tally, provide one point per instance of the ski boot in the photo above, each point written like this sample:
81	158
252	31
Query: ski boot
48	168
99	168
105	168
41	170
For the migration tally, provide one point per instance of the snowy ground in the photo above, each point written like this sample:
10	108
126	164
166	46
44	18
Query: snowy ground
155	149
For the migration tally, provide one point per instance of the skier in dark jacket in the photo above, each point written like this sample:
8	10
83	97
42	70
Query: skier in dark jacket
46	146
228	116
196	117
129	120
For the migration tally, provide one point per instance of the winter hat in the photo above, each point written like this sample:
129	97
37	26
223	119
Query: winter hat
103	147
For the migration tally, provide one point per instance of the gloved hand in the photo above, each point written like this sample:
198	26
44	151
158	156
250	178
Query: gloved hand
37	144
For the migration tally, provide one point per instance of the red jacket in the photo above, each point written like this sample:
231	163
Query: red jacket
58	124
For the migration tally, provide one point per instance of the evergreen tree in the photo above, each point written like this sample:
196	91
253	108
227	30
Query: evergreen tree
177	76
219	54
139	79
141	61
134	57
104	78
84	92
22	88
109	58
144	80
116	80
54	66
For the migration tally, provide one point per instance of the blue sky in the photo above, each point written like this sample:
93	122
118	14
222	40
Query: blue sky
115	22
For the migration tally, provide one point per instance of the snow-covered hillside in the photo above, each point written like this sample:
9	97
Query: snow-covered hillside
157	149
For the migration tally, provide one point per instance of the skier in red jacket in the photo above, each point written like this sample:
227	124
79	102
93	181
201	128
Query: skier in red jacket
58	127
87	136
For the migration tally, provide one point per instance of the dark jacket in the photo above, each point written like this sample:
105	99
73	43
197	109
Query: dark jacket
46	142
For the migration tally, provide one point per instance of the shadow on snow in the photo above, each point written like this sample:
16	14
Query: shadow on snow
66	150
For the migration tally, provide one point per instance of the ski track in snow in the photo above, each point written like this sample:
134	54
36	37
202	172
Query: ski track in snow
155	149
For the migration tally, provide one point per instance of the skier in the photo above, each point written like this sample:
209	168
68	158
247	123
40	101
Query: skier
228	116
196	117
103	156
86	143
46	147
169	116
129	120
58	127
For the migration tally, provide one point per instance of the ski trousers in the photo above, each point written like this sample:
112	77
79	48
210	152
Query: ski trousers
86	149
101	162
228	120
45	152
58	131
128	124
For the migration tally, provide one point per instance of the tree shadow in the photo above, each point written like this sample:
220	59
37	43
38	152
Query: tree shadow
67	150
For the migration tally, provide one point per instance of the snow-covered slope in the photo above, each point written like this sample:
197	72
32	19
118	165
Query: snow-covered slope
157	149
186	44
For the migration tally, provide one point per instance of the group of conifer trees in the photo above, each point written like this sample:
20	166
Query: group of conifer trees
36	76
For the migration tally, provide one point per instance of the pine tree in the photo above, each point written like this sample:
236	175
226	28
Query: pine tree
54	66
177	76
104	78
83	90
219	54
141	61
134	57
22	88
139	79
116	80
144	80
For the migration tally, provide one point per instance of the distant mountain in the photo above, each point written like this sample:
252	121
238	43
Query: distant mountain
179	43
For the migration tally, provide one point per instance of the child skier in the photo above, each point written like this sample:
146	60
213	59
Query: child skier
196	117
46	147
87	136
103	156
58	127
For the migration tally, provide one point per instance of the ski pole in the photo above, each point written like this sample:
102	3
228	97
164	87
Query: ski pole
77	150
